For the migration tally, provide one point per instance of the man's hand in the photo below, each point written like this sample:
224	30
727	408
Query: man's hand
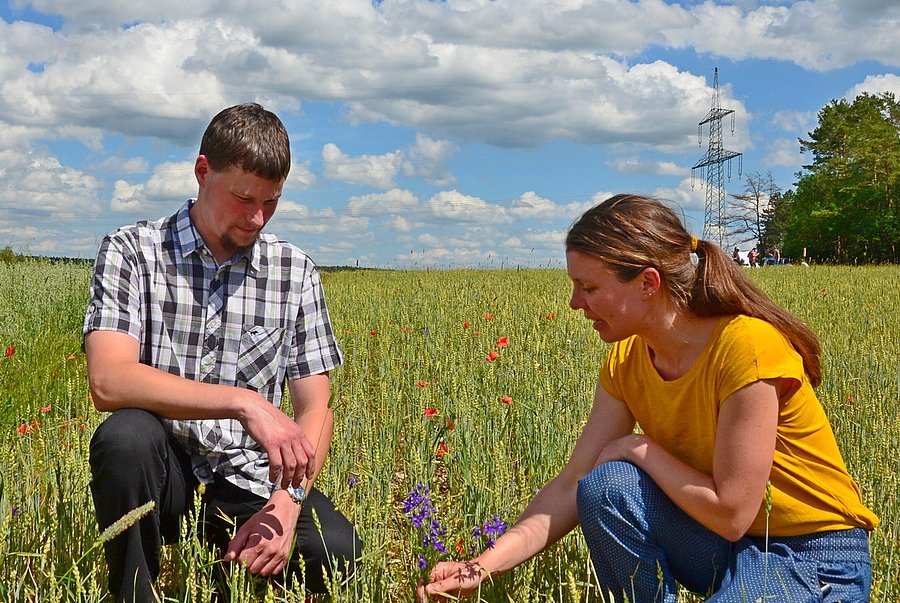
263	543
291	455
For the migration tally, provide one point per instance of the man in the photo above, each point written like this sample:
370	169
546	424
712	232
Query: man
195	323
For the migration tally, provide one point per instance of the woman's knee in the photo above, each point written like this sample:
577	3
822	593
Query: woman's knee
610	484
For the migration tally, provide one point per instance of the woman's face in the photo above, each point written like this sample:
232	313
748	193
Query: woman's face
617	309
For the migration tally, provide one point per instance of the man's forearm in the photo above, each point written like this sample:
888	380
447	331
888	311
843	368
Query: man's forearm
118	380
310	398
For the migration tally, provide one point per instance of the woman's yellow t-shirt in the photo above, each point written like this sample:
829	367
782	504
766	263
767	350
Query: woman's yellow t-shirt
811	488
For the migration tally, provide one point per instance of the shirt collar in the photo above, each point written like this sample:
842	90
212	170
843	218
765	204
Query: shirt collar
189	240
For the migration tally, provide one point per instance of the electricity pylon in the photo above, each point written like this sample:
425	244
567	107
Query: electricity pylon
715	220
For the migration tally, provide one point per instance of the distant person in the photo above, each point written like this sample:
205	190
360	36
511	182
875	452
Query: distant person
751	257
733	446
776	253
736	256
195	324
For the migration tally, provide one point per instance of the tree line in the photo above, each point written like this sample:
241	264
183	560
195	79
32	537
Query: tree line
843	208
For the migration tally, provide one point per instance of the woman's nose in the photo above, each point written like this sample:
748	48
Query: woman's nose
575	301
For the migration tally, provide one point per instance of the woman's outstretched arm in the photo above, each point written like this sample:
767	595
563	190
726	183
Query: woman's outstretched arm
550	515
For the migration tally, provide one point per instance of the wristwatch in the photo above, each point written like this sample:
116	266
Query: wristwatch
298	494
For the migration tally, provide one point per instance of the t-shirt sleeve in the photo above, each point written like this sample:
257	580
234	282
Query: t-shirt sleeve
753	350
115	303
610	370
315	349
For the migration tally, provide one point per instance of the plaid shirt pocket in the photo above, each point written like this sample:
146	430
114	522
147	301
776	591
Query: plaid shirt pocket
257	365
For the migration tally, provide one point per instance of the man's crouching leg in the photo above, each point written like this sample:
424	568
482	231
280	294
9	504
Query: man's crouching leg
133	461
333	552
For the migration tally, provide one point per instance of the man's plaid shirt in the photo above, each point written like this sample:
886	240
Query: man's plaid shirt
253	322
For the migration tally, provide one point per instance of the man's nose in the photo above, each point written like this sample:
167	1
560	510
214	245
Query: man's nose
256	217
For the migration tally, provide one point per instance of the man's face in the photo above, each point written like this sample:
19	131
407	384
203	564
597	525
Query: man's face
232	207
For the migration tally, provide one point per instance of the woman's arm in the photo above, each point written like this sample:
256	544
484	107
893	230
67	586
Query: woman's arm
548	517
728	502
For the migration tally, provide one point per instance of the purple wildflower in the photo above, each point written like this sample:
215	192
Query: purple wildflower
491	530
352	481
419	508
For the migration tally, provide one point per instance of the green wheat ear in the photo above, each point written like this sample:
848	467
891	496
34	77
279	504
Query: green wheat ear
125	522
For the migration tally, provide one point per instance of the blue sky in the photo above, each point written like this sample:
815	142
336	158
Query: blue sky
438	134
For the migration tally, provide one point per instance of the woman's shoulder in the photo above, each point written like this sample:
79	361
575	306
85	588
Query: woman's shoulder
756	339
748	328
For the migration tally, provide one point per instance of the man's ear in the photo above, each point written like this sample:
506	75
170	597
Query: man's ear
201	169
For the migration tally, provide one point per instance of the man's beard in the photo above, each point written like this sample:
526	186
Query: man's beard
234	248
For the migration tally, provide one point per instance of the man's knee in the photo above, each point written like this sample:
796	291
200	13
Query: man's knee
337	553
334	550
127	439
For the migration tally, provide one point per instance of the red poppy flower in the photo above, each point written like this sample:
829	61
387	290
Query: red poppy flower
10	350
45	409
70	357
492	356
506	399
466	324
373	332
450	425
430	412
406	329
421	384
442	449
502	342
488	316
22	429
460	547
551	316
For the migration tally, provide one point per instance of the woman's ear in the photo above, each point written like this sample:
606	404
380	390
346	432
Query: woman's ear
650	281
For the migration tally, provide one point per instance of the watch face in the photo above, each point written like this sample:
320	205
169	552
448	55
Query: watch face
298	493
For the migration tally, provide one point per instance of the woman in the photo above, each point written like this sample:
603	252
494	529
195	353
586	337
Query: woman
735	487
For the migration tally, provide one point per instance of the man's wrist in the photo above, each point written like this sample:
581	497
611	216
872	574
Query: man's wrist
298	494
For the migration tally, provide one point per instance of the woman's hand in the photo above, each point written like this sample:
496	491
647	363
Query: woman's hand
631	448
453	578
